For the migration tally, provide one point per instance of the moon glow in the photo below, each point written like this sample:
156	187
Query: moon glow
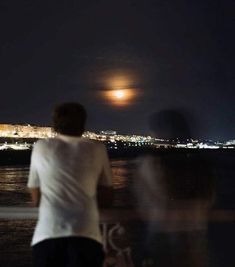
120	93
120	97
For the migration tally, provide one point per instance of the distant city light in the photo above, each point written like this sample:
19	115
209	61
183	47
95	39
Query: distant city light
24	137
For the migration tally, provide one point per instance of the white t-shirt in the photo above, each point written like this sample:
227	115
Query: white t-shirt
68	170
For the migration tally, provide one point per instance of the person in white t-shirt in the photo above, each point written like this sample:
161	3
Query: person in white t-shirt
67	173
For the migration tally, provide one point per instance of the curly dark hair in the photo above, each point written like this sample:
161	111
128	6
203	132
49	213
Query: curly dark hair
69	119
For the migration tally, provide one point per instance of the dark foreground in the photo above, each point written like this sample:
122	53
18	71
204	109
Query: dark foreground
122	234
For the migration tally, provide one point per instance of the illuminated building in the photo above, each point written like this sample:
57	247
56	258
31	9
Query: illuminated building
25	131
108	132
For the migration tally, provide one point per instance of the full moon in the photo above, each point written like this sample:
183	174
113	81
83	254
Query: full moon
120	97
119	94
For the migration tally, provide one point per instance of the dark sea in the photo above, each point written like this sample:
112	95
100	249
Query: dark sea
15	235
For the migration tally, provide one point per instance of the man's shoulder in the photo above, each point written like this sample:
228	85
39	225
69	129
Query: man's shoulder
94	144
43	143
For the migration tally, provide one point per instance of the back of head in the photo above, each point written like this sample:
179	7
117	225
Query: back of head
69	119
170	124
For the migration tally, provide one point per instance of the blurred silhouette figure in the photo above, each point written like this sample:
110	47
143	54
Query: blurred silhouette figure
174	190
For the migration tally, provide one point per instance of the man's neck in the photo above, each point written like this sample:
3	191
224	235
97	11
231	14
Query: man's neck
68	138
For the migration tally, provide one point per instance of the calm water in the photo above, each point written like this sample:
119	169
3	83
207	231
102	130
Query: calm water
15	236
13	180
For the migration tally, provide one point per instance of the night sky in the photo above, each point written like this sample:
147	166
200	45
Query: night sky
174	54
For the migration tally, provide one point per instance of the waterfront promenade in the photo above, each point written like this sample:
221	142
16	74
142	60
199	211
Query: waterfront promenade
19	223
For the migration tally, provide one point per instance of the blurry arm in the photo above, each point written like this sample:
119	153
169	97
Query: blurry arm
105	188
149	183
35	196
33	180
